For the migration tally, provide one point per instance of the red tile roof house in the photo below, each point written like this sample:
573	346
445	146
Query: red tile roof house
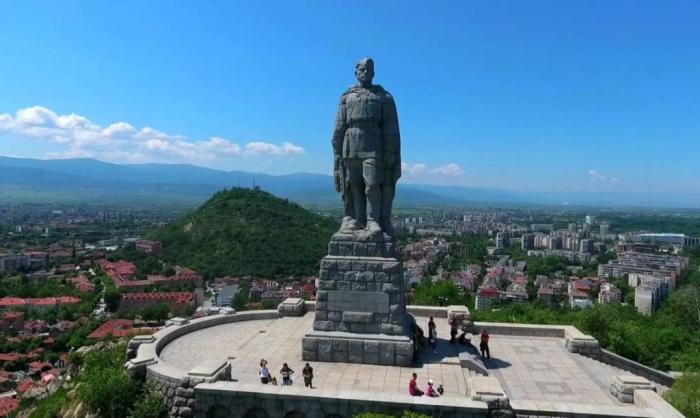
178	301
183	275
8	405
13	302
118	328
82	283
35	327
121	268
36	354
27	385
38	367
11	357
12	320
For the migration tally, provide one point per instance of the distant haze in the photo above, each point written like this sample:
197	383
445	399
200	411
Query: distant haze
92	181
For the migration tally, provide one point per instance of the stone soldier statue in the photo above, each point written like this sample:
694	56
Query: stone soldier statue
366	147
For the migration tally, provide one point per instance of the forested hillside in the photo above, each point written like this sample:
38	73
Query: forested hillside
248	231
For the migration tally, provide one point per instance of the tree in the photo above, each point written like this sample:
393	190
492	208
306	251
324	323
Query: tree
269	304
240	300
108	390
158	312
112	298
685	395
151	405
441	293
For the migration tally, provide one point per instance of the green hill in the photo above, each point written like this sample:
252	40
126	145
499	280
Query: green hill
248	231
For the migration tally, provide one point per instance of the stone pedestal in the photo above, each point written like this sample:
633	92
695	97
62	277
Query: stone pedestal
624	386
291	307
361	304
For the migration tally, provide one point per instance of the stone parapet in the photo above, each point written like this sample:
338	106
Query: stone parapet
651	401
578	342
178	394
624	386
134	344
291	307
656	376
233	399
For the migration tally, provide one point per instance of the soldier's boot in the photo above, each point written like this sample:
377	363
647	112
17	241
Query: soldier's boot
353	225
348	224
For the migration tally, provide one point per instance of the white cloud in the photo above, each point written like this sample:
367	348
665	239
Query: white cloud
414	169
257	148
600	178
420	169
121	141
448	170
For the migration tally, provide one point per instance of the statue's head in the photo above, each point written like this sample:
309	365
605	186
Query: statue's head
364	71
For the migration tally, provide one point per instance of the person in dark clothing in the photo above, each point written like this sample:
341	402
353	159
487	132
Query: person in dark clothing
484	346
308	374
432	334
453	331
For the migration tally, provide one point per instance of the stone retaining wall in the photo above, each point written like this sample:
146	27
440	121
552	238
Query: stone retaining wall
230	399
656	376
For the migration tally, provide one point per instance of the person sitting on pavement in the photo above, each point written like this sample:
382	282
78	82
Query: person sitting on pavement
413	387
430	390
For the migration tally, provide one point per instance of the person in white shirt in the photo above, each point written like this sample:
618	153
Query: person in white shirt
264	372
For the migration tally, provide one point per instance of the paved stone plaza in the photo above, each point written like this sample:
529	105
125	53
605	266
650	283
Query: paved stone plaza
529	368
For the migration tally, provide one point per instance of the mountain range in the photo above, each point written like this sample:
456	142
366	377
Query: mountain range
27	180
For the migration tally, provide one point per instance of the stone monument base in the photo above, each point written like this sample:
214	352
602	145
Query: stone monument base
360	312
346	347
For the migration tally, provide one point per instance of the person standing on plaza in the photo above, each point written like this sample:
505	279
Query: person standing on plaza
484	346
286	373
432	334
453	330
308	374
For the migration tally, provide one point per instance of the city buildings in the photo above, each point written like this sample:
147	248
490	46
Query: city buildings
644	263
485	297
226	293
176	301
677	240
609	293
149	247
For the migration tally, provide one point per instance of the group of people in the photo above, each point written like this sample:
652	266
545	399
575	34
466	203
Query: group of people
430	389
286	372
463	339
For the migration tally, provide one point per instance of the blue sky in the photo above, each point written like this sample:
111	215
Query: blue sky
526	95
